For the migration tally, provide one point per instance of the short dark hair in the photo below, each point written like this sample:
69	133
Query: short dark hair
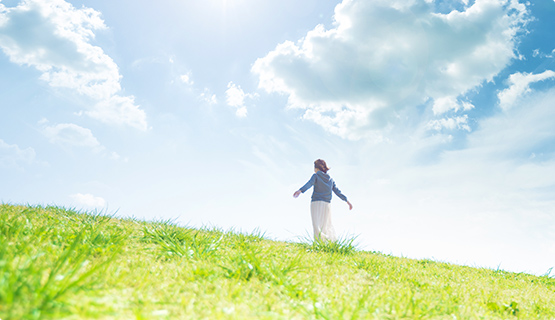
321	165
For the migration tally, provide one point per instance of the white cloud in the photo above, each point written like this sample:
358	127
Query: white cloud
71	135
208	97
205	95
54	37
445	104
519	85
342	122
537	53
89	200
11	156
186	79
115	156
450	123
381	57
118	110
235	97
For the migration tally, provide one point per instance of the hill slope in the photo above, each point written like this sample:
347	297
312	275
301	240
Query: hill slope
61	264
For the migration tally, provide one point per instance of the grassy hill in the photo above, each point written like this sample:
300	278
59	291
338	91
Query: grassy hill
61	264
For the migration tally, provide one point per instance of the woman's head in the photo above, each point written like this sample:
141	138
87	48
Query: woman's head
321	165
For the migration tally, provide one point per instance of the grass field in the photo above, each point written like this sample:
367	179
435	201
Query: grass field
61	264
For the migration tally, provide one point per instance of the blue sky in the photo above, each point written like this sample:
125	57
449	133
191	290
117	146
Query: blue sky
436	118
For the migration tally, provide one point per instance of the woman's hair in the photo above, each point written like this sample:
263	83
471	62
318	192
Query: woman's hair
321	165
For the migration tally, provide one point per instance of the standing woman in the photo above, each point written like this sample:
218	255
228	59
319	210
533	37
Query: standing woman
320	206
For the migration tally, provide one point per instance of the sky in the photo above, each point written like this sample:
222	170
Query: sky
435	117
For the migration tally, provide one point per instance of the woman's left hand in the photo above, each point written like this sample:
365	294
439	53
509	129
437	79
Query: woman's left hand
350	205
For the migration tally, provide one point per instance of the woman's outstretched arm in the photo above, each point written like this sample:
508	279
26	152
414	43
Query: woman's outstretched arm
307	185
341	195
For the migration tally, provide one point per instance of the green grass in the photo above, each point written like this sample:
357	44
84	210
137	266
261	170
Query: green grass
61	264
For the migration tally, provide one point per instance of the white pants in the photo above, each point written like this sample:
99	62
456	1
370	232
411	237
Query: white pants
321	221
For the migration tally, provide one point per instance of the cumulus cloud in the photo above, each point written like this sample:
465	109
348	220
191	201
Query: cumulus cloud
54	37
445	104
118	110
519	85
115	156
186	79
381	57
204	95
89	200
208	97
537	53
71	135
11	156
235	97
450	123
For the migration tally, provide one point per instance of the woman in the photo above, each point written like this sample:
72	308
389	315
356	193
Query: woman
320	206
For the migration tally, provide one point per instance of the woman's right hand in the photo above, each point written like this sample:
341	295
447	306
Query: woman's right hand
350	205
297	193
